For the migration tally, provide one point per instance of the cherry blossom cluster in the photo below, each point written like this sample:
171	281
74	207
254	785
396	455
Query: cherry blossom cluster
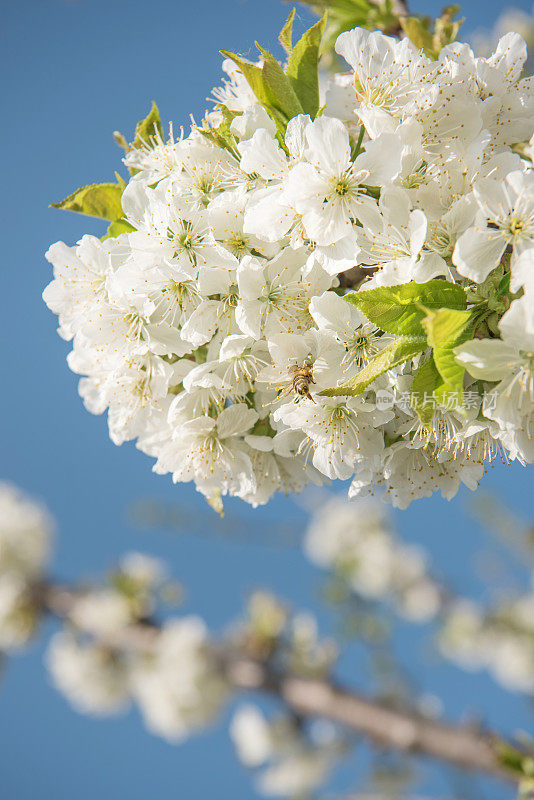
288	760
363	551
110	652
168	672
107	656
499	640
215	329
103	663
25	538
361	548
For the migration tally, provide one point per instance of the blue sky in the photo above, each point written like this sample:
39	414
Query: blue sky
74	71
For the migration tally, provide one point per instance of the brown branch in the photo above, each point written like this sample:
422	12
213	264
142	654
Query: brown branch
60	601
460	745
409	732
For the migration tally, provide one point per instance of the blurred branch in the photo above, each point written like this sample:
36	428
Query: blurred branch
513	531
463	746
406	731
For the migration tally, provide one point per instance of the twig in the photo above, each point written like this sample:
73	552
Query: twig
463	746
406	731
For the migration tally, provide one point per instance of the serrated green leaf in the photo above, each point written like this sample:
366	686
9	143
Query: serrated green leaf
397	309
118	227
254	77
285	36
96	200
265	82
504	284
446	329
252	73
222	136
399	351
148	127
424	385
303	67
279	87
445	324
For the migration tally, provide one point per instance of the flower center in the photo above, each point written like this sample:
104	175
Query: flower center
181	290
238	245
515	226
342	187
440	241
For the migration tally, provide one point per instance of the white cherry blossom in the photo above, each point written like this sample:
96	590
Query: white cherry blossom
211	452
505	218
79	285
510	361
328	190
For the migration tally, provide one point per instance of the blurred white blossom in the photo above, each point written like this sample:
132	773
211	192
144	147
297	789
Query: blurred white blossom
92	677
295	761
176	684
356	540
25	538
25	533
500	640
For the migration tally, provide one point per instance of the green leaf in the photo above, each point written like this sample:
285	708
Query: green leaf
295	91
446	329
255	79
222	136
148	127
344	15
96	200
504	284
303	68
399	351
117	227
252	73
446	27
425	384
120	181
271	87
417	30
510	756
285	36
397	309
279	87
445	324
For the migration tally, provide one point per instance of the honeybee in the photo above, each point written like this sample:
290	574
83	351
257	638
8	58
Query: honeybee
301	379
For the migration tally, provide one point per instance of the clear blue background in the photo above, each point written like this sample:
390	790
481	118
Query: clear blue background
72	73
